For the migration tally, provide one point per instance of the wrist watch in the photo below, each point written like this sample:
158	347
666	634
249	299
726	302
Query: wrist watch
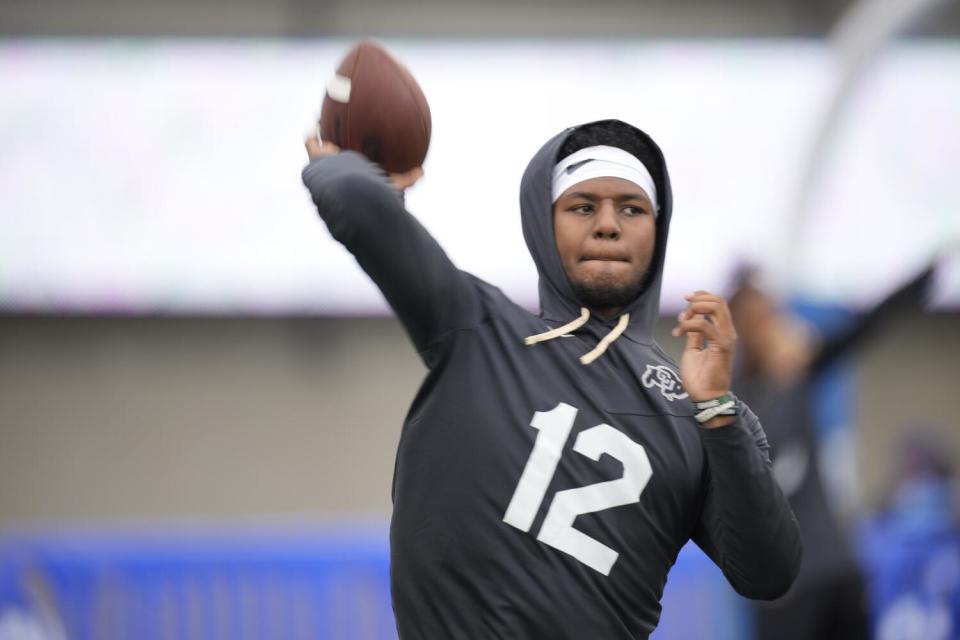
725	405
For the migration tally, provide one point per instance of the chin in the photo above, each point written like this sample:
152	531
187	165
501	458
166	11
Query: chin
608	275
606	291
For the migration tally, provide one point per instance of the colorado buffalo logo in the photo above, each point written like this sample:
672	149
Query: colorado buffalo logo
665	379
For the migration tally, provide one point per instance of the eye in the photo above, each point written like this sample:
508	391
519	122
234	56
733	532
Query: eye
582	208
631	210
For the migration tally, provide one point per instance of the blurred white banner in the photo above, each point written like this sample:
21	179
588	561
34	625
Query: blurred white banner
164	176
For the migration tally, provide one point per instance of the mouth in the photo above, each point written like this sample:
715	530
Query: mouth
604	258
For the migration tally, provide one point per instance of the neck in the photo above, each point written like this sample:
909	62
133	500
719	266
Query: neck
606	313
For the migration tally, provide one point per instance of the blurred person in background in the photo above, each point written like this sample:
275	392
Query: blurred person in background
922	498
551	467
912	544
779	362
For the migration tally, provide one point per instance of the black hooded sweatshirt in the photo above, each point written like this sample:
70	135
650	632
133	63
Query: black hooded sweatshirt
535	496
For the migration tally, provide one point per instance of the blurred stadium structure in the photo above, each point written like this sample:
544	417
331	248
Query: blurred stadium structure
196	475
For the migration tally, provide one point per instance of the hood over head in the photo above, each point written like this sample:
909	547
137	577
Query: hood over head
557	300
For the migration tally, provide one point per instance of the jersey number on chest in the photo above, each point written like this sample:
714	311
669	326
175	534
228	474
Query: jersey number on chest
557	530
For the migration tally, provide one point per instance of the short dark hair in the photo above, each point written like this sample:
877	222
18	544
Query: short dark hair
614	133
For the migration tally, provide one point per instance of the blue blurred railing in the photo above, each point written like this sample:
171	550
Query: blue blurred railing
316	582
324	583
332	582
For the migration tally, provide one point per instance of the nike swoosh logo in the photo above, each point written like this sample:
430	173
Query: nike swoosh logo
576	166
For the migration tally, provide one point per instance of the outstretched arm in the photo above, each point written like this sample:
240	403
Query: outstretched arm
746	525
363	209
910	295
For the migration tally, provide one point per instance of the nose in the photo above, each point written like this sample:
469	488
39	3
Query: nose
607	224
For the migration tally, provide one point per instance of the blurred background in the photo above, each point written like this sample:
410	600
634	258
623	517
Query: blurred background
201	393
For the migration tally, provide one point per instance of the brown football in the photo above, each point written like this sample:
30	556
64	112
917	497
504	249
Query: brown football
374	105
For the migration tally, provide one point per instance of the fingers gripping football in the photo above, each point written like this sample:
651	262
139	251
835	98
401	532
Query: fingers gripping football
319	149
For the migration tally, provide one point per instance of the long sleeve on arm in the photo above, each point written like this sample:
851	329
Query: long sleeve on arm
365	213
908	296
746	525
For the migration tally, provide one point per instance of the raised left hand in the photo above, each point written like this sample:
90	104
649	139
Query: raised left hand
706	365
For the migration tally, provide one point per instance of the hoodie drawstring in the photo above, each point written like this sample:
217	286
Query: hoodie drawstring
559	331
598	350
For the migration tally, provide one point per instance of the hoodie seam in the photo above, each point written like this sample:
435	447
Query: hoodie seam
443	337
649	415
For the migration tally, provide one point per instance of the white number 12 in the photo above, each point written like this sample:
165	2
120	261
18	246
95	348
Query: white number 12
557	529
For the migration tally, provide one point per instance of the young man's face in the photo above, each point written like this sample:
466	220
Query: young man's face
605	230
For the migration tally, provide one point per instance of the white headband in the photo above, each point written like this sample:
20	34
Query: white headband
602	162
